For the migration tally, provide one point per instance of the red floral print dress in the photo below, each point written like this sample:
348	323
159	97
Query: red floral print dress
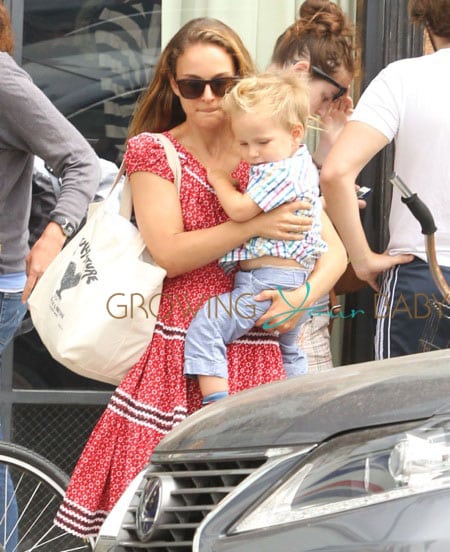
155	395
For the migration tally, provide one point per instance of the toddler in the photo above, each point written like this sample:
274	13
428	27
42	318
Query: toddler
268	115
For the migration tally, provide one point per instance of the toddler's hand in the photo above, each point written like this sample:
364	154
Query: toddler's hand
216	177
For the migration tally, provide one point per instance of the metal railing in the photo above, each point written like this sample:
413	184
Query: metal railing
54	423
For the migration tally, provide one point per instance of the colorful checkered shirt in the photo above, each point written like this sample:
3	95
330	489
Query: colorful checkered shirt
271	185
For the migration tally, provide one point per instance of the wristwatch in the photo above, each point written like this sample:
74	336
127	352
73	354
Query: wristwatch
66	226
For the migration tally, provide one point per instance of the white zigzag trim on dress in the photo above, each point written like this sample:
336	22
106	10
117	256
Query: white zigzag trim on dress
168	337
201	181
249	339
146	407
136	421
145	415
244	341
82	531
170	332
89	513
82	526
143	418
92	533
146	410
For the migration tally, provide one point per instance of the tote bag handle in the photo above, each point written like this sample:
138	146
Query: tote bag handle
126	202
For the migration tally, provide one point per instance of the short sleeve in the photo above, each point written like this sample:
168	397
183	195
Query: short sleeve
145	153
270	186
378	106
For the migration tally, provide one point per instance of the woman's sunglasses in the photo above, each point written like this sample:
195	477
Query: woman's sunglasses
324	76
191	89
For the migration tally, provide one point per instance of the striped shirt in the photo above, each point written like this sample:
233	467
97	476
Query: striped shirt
272	184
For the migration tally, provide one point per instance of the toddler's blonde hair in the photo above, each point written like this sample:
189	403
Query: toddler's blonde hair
283	95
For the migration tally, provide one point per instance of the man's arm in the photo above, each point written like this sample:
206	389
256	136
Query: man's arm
48	134
238	206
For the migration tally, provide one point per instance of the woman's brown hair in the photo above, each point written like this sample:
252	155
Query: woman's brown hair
323	35
434	14
159	109
6	34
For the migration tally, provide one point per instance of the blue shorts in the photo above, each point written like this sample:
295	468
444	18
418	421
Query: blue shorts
227	317
404	311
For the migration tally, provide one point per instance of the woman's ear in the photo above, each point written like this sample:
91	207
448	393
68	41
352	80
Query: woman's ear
301	66
174	86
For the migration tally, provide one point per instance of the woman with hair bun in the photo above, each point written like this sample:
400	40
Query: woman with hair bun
320	46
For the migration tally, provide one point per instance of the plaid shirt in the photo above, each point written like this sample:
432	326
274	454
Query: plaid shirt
271	185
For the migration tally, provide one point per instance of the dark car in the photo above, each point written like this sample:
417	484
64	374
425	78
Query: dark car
355	458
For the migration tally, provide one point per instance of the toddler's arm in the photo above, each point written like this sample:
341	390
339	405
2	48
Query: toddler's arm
238	206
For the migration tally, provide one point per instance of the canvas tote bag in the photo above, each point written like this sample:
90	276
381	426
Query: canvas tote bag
95	306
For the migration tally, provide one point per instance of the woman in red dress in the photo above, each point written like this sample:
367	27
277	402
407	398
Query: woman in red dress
186	233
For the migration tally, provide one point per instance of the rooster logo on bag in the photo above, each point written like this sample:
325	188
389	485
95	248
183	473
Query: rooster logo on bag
72	276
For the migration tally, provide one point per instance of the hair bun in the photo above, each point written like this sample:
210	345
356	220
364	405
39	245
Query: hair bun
322	17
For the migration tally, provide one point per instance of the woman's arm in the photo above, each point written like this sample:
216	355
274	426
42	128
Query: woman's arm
158	214
331	126
286	310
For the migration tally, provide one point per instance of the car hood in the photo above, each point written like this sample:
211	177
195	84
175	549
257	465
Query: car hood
309	409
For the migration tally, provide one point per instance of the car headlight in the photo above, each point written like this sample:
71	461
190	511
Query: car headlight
355	470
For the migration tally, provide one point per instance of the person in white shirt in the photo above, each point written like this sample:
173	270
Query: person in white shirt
408	103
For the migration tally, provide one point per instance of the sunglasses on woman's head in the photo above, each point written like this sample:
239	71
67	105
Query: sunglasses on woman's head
191	89
324	76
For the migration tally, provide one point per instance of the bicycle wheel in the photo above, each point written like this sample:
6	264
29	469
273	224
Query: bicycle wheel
435	333
31	490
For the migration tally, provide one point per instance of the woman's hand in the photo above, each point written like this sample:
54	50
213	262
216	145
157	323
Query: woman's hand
287	308
283	223
362	204
331	126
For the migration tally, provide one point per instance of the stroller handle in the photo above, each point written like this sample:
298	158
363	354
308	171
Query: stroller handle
425	218
415	205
